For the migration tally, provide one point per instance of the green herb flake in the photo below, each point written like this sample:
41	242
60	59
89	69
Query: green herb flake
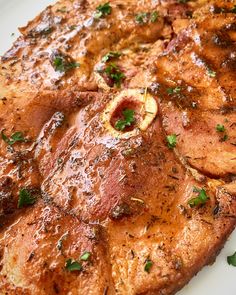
220	128
148	265
211	73
173	90
102	10
146	17
232	259
73	265
224	138
73	27
62	66
201	199
233	10
62	10
171	141
141	18
85	256
25	198
110	55
154	16
127	121
115	74
15	137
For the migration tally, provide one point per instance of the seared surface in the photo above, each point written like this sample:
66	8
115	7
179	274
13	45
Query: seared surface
123	196
201	64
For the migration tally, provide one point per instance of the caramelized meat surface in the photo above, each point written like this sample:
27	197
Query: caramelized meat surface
198	102
118	147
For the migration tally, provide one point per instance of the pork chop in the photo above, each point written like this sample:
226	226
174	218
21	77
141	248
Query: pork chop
118	147
197	77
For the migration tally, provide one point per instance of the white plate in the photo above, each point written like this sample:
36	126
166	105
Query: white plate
218	279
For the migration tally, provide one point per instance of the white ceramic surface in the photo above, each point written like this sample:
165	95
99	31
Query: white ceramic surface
219	279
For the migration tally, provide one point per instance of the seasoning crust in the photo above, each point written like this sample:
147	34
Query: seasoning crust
118	147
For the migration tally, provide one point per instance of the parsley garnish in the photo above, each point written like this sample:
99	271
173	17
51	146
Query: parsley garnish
141	18
61	65
154	16
145	17
232	259
127	121
224	138
148	265
220	128
73	265
171	141
233	10
15	137
25	198
201	199
173	90
115	74
85	256
73	27
62	10
211	73
102	10
110	55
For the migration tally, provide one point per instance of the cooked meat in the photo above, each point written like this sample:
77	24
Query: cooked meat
50	238
197	77
118	147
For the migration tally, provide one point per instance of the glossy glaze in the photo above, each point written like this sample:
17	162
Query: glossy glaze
122	196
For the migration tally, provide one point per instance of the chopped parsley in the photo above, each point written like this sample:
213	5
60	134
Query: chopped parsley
224	138
154	16
173	90
73	27
145	17
114	73
62	10
85	256
62	65
201	199
141	18
110	55
211	73
127	121
171	141
220	128
25	198
148	265
233	10
232	259
73	265
15	137
102	10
